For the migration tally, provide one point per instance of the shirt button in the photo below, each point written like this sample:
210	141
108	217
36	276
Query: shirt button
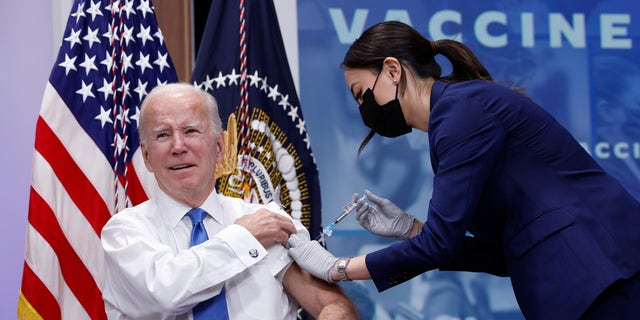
253	253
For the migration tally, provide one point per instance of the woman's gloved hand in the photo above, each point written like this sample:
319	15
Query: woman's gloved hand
383	218
312	257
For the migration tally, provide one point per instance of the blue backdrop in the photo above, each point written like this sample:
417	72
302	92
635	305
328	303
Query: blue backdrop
575	58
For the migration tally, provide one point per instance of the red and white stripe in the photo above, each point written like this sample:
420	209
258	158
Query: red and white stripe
71	199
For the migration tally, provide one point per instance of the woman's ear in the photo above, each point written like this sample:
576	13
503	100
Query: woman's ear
392	68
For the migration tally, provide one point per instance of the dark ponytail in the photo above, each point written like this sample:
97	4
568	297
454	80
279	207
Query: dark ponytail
365	141
464	62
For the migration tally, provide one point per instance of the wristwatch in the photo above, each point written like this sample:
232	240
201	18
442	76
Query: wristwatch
342	268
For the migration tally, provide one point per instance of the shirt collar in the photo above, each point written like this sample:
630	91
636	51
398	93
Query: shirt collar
174	211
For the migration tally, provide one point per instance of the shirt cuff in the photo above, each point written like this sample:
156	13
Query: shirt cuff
246	247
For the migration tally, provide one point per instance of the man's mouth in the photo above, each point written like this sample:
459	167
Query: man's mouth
180	167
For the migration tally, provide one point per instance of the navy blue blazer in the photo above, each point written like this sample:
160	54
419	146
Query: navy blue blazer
539	208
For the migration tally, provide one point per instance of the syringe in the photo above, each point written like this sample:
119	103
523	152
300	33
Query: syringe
328	230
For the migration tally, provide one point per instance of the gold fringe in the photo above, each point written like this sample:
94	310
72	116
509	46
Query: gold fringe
26	310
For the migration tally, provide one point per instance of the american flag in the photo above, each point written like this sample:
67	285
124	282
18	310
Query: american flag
87	165
243	63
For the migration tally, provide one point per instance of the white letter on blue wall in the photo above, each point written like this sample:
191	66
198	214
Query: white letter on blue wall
558	26
345	34
438	19
481	29
527	29
612	34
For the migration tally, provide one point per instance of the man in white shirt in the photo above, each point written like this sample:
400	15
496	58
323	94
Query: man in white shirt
151	270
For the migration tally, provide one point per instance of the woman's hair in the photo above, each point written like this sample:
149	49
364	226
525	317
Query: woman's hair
401	41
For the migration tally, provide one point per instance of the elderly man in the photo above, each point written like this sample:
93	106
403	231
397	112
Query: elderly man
189	250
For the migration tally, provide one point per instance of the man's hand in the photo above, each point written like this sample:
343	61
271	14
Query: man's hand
383	218
312	257
269	228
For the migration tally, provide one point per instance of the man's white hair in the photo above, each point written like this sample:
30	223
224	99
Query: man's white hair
181	87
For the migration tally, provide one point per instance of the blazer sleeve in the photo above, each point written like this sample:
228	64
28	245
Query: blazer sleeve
477	256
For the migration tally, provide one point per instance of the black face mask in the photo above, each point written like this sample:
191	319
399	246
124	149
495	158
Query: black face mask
386	120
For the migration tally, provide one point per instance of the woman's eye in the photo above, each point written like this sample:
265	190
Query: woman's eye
358	96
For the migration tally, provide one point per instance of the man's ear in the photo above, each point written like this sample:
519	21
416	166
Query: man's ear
220	148
145	156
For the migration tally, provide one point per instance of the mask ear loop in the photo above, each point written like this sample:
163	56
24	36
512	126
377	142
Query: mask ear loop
396	83
376	81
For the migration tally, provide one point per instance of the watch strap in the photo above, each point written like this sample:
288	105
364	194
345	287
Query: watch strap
342	269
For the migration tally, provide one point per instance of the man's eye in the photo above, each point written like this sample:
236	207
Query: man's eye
192	131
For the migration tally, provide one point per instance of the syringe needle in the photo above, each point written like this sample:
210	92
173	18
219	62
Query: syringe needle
347	209
341	216
328	230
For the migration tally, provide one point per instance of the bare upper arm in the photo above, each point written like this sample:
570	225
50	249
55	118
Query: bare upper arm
319	298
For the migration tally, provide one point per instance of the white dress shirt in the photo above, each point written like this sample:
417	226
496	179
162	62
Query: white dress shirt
152	273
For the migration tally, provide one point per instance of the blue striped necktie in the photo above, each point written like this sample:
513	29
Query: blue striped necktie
216	307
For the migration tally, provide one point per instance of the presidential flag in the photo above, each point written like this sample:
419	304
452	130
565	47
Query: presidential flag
87	165
243	63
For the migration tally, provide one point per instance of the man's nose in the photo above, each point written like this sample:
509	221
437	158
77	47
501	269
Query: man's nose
178	141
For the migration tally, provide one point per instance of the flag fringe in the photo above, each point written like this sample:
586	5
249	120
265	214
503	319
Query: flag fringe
26	310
